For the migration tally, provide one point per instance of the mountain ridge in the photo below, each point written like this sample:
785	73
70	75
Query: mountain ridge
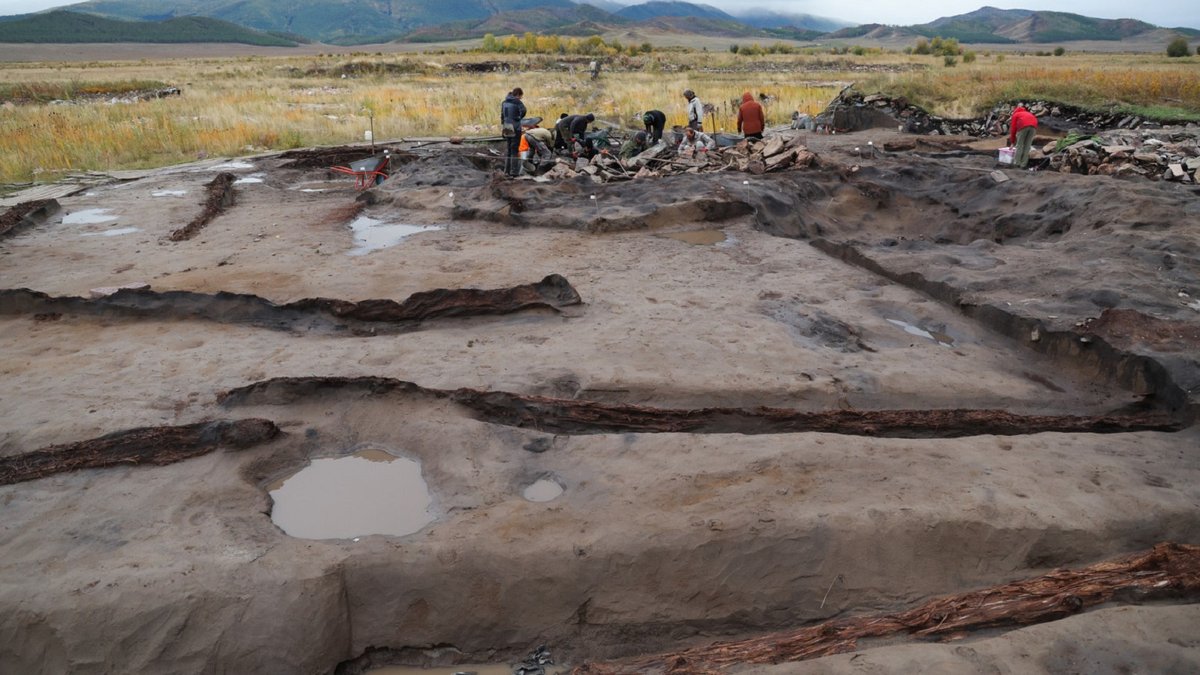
373	21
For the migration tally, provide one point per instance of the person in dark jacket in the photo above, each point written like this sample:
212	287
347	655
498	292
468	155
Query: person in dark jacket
512	111
655	121
574	128
1021	130
750	120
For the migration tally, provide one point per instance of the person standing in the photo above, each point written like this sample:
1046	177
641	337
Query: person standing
751	120
655	121
1021	130
695	110
512	111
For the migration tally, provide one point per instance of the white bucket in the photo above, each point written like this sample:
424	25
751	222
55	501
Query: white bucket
1006	155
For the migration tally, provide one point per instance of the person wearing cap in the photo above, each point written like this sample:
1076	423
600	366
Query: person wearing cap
512	111
695	141
655	121
695	110
1021	130
635	145
750	120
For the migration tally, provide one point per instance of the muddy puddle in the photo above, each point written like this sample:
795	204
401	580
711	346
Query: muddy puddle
116	232
543	490
89	217
697	237
931	335
371	234
251	179
368	492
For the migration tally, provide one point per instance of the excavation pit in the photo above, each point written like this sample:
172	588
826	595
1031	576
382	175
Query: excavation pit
748	444
367	492
698	237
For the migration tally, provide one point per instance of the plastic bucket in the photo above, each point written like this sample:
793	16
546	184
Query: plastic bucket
1006	155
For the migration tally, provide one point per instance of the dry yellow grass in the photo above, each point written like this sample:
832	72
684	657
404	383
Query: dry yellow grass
242	105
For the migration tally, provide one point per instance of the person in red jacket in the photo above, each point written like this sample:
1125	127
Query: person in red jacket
751	121
1021	130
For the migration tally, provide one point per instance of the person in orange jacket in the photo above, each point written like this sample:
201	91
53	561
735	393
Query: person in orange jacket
1021	130
750	120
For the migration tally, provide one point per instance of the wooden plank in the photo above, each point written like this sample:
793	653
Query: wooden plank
47	191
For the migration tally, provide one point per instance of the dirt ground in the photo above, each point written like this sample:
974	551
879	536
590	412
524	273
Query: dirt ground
895	282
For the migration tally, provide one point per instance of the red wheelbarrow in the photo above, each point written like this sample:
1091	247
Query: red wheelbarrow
367	172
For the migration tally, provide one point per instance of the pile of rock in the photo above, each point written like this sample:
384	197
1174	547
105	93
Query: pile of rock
757	157
1156	155
852	111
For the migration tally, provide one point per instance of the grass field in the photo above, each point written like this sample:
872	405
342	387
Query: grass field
242	105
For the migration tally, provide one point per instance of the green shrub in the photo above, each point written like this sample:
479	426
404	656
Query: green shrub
1059	51
1178	47
968	57
949	61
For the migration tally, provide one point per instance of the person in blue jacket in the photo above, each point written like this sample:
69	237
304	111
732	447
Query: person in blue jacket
512	111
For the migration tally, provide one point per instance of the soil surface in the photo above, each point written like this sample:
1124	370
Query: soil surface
865	287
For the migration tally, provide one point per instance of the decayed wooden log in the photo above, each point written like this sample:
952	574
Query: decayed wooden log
220	197
146	445
1166	571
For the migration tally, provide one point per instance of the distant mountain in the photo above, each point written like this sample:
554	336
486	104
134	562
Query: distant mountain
606	5
659	8
763	18
62	26
998	26
325	20
578	20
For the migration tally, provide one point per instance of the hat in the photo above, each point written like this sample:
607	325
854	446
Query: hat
689	94
647	118
591	117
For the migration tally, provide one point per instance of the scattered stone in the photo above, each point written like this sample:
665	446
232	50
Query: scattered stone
999	176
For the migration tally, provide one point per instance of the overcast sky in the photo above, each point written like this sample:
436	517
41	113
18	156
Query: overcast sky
1169	13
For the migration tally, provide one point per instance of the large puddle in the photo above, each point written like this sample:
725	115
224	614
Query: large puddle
371	234
368	492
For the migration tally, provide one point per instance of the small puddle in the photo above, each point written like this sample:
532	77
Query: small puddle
935	336
88	217
112	233
228	166
461	669
169	193
368	492
543	490
252	178
371	234
698	237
